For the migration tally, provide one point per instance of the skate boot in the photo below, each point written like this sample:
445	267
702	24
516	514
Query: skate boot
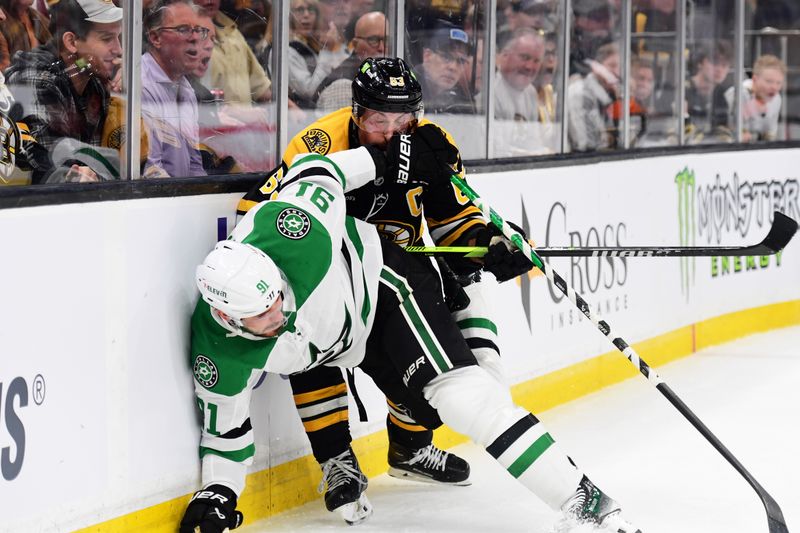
346	486
589	505
428	464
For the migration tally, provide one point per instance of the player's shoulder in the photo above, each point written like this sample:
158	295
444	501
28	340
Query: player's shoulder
447	134
221	363
326	135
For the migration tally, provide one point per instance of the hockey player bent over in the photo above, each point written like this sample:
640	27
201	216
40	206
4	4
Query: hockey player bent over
298	285
387	102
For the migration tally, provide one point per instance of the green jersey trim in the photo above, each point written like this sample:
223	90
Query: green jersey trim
416	320
355	238
482	323
236	456
317	157
530	455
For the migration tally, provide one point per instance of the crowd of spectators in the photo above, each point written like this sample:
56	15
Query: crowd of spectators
208	100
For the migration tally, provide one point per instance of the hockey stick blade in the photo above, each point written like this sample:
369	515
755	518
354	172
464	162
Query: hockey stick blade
775	520
780	233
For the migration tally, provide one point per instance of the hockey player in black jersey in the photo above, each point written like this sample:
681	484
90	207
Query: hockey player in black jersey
388	102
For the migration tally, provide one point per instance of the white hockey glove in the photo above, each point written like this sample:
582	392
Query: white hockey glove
213	510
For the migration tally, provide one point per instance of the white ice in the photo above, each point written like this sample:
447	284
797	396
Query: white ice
637	448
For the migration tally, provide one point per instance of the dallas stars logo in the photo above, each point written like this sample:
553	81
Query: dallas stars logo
205	371
293	223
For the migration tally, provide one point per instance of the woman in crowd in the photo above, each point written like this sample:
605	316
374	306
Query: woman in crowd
25	28
311	58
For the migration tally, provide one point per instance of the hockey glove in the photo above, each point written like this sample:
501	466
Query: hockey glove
503	259
213	510
425	156
454	294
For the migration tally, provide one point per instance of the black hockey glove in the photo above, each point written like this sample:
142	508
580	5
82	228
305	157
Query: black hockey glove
425	156
503	259
212	509
455	296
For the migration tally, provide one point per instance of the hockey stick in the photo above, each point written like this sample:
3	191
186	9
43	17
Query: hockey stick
780	233
775	519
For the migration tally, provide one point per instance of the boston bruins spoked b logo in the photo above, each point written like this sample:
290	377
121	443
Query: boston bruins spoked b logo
293	223
205	371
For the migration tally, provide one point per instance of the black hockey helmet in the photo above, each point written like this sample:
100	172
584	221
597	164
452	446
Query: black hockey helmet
386	84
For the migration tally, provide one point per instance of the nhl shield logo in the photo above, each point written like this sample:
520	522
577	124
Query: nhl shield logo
205	371
293	223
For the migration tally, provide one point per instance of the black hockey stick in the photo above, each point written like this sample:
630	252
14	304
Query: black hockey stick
780	233
775	519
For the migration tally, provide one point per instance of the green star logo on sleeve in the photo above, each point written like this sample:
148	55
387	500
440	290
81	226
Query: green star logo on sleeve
293	223
205	371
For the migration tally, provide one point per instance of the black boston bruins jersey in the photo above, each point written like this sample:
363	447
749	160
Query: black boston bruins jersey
394	206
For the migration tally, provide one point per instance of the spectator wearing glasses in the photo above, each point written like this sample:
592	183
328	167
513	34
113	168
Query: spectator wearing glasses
24	28
65	84
444	55
169	104
369	40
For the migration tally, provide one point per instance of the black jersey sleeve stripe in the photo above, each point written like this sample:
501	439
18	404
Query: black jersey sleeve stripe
475	342
510	436
313	172
241	431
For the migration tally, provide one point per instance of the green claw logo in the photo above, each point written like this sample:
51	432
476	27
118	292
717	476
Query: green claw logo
687	227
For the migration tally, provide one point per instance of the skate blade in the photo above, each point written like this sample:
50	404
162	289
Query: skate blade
413	476
573	525
356	512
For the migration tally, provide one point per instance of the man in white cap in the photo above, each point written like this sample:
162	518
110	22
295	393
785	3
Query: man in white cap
72	99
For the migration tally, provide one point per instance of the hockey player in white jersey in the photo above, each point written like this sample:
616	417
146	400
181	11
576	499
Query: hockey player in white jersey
299	284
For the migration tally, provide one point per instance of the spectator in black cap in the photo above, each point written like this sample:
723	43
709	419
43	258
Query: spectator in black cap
444	55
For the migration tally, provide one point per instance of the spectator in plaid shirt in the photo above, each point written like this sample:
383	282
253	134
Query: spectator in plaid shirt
63	84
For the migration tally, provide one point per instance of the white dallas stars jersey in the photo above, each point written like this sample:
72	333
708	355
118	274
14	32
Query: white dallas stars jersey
331	264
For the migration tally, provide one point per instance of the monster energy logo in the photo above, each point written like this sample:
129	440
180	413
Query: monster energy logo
687	225
713	210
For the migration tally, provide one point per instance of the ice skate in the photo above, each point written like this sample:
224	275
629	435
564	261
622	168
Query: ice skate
344	485
428	464
589	505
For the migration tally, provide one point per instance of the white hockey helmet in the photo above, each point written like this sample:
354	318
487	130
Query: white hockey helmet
239	279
